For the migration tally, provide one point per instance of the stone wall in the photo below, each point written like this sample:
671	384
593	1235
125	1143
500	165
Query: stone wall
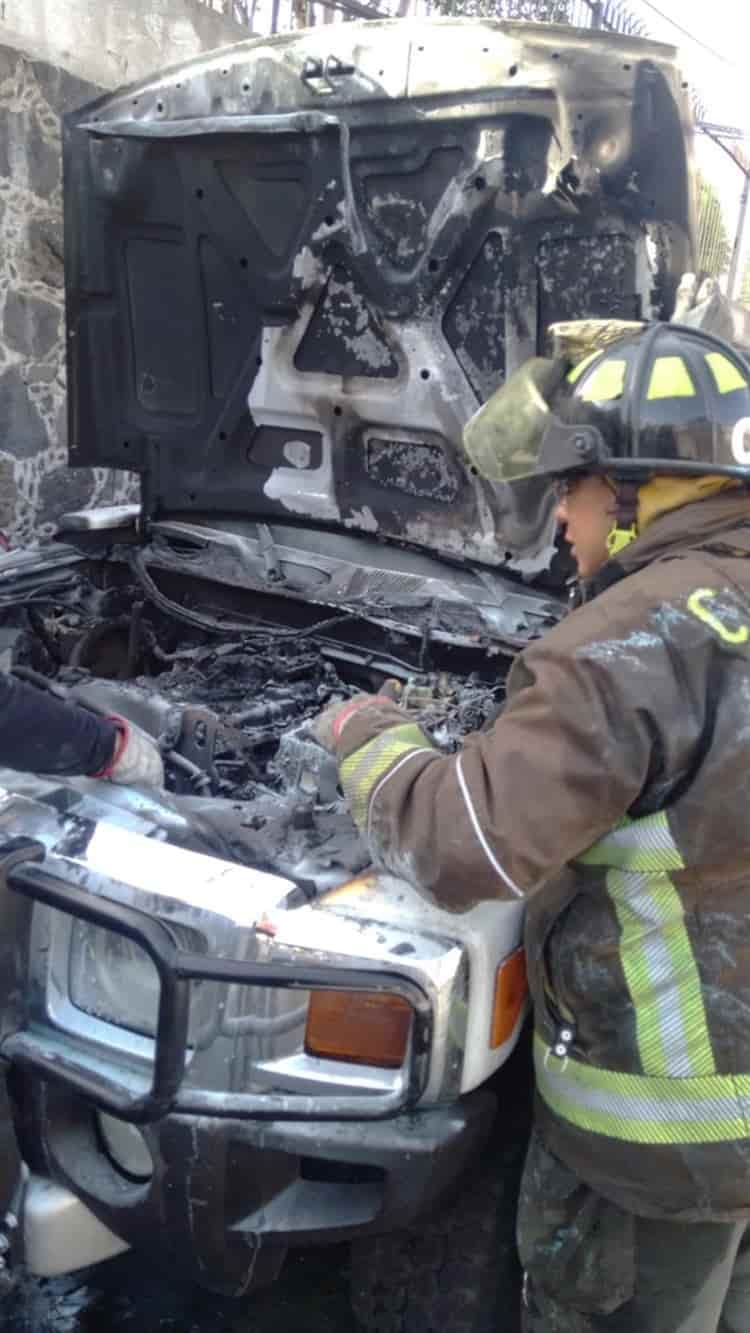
94	44
110	42
35	484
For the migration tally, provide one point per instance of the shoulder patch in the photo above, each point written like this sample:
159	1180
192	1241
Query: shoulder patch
704	606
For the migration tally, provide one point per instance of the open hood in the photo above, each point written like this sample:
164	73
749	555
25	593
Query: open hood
296	267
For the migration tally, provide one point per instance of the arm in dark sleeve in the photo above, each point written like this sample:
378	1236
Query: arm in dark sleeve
42	734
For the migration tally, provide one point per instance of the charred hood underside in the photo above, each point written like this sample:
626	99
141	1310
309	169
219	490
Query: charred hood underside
296	267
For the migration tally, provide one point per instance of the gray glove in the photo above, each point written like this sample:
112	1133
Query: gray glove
137	761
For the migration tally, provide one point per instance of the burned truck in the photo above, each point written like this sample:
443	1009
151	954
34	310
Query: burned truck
294	269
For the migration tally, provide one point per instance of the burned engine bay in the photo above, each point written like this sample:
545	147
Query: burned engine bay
232	710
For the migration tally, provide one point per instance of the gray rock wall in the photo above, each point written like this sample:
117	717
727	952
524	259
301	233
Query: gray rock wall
56	55
35	483
112	42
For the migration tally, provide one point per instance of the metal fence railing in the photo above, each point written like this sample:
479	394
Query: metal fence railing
714	245
612	15
609	14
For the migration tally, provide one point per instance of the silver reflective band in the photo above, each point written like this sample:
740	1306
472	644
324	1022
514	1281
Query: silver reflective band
481	839
656	953
636	1108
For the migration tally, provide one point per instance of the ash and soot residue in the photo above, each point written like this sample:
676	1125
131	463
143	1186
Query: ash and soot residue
310	1297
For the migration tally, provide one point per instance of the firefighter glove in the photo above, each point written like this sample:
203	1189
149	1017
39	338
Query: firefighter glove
328	725
136	761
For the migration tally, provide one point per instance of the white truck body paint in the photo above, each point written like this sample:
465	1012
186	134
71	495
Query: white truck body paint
60	1234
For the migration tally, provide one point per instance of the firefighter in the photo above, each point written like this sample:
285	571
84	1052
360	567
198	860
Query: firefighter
42	734
612	796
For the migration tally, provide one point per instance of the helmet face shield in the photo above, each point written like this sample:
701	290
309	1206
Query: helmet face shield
665	399
516	434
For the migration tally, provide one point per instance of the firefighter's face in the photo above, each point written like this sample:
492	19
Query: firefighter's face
586	510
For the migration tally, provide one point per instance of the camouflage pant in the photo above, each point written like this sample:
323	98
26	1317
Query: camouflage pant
590	1266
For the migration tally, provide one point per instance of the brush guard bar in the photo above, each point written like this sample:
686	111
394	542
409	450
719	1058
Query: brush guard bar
21	871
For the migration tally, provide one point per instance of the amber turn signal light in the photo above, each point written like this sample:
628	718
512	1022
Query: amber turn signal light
363	1028
511	987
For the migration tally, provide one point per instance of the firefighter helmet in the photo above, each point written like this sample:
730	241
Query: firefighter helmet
665	399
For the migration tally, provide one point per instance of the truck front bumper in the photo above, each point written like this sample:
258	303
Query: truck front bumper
226	1198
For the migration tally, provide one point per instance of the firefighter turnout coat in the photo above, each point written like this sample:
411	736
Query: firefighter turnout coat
613	794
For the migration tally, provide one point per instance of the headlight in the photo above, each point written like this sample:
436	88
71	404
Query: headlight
114	979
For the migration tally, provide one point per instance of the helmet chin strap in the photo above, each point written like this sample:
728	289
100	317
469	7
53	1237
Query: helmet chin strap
625	528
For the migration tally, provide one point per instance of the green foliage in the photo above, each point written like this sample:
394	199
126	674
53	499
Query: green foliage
714	245
745	286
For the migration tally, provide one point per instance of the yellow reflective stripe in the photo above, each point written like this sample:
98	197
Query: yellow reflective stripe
696	608
725	373
644	845
655	950
636	1108
605	383
365	767
661	975
670	378
642	988
578	370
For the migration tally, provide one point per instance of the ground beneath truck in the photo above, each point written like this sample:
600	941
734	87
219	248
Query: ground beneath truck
310	1297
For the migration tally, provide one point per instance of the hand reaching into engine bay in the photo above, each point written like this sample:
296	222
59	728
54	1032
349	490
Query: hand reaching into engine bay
43	733
137	761
328	725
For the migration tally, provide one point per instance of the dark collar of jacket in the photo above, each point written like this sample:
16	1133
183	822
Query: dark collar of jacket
723	520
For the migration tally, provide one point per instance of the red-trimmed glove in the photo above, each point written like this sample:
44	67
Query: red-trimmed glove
136	761
329	724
